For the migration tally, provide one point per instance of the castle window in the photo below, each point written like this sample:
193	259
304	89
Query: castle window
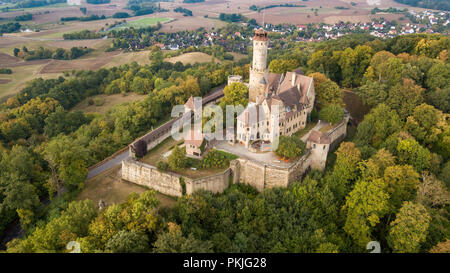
324	146
314	146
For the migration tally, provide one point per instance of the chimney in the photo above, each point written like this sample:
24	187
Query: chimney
293	78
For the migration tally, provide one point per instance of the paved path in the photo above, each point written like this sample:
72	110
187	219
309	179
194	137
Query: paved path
108	164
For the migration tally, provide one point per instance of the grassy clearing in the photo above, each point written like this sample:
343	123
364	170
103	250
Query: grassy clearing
157	153
160	152
110	188
19	77
141	57
192	58
102	103
141	23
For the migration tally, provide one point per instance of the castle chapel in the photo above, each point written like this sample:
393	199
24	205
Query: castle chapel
292	92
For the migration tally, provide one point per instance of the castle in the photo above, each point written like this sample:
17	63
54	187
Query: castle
292	93
279	104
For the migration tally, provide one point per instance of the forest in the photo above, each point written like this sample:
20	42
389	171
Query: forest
388	181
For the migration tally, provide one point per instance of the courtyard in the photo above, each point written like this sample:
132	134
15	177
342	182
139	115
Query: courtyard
194	170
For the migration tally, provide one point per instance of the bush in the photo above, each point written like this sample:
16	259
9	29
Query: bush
98	101
177	159
217	159
5	71
290	147
162	165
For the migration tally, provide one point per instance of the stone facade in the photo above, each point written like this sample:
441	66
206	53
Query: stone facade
262	176
279	104
216	183
259	71
171	183
149	176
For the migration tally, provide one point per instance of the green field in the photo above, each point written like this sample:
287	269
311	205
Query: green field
141	23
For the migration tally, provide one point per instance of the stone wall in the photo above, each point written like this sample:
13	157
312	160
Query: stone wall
217	183
338	133
170	183
262	176
256	174
149	176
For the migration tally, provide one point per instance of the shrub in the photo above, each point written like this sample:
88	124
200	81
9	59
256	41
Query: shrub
162	165
290	147
177	159
217	159
98	101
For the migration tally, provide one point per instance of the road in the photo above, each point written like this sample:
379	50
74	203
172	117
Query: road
108	164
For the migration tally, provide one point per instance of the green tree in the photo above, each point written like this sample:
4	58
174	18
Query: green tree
410	152
353	64
409	229
235	94
423	124
329	93
372	93
380	123
290	147
402	183
128	242
405	97
173	241
68	162
332	113
366	204
282	66
177	159
438	77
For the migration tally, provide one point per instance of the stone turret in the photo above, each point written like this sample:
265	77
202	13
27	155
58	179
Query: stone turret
319	144
259	71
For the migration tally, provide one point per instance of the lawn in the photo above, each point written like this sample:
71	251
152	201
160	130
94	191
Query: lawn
102	103
161	152
141	23
192	58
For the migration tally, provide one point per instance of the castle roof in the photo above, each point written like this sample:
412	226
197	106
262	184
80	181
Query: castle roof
292	79
290	98
190	103
318	137
260	35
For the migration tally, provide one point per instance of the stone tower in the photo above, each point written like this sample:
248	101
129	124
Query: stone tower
258	71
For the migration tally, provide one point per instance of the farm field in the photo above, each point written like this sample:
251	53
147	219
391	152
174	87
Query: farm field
192	58
141	57
106	102
141	23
